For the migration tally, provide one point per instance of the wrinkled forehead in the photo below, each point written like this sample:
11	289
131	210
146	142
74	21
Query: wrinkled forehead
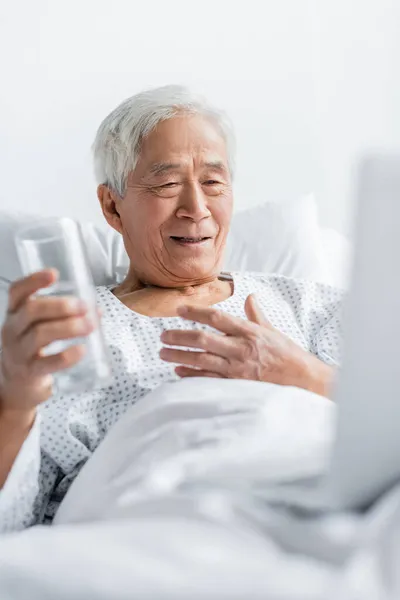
183	140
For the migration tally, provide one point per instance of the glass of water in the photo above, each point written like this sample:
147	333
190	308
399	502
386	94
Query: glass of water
58	244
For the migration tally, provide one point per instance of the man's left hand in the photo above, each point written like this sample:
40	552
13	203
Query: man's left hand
251	349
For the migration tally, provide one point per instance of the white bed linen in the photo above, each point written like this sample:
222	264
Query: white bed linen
217	431
203	545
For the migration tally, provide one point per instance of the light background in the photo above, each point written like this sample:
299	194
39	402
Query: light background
309	84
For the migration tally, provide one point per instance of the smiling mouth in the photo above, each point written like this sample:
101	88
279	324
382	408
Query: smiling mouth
189	240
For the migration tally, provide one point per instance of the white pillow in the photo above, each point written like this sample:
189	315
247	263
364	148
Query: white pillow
337	253
279	238
272	238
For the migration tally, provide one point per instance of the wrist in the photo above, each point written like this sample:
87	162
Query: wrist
12	418
16	424
14	430
10	415
319	377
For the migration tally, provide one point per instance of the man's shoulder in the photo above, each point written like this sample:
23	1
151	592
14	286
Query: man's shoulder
283	283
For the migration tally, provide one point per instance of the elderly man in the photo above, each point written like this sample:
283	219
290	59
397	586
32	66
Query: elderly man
164	164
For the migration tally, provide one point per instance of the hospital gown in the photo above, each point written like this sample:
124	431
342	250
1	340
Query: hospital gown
69	427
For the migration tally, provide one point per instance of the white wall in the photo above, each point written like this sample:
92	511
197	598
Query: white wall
356	50
287	72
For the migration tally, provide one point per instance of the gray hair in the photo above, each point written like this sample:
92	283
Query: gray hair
116	147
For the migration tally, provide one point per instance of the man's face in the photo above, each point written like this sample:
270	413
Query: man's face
176	212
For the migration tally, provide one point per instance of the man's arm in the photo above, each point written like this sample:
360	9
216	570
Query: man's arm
26	378
20	472
14	429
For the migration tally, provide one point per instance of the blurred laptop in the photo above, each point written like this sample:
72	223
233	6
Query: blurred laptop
365	459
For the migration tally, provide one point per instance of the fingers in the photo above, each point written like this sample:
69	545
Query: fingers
200	360
32	324
45	309
45	333
58	362
221	345
188	372
20	290
254	312
216	319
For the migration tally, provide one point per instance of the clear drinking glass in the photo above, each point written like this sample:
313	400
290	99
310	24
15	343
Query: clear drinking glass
58	243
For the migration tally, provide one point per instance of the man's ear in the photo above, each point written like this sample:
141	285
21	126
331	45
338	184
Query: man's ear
109	205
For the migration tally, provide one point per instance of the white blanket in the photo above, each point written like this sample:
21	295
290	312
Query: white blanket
164	508
216	431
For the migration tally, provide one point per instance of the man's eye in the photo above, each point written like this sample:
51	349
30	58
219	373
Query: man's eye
169	185
211	182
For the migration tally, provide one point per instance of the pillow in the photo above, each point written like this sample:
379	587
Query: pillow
279	238
272	238
337	253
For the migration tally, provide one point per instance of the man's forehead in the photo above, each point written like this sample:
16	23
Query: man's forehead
182	137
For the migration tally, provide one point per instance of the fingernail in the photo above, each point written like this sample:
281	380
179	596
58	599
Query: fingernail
54	273
77	304
91	324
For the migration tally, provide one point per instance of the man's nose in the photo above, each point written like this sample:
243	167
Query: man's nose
193	203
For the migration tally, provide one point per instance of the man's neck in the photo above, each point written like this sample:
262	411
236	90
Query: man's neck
155	301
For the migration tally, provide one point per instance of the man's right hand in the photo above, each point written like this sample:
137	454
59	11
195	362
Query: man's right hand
32	323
